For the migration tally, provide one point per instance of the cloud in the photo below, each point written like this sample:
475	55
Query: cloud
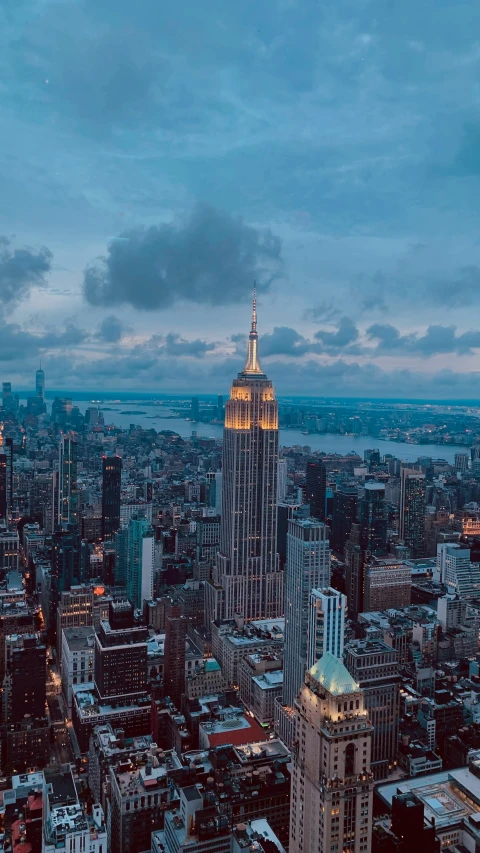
17	344
111	329
324	312
435	340
212	258
346	334
176	345
467	159
460	290
21	269
283	341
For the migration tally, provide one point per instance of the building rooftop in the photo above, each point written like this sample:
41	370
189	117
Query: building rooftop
270	679
330	672
79	639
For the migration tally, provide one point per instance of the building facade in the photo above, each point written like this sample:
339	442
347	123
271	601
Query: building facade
307	567
247	568
332	785
412	511
326	624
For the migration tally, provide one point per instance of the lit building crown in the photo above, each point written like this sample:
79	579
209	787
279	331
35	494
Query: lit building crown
252	364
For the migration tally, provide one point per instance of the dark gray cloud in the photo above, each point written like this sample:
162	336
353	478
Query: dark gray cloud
346	334
435	340
211	258
21	269
324	312
460	290
175	345
18	344
111	329
283	341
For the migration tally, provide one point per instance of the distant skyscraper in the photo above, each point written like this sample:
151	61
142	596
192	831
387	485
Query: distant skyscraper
307	567
354	571
461	462
40	384
67	512
412	511
282	480
111	490
316	488
326	624
247	569
8	447
345	501
66	567
372	517
220	409
175	636
332	786
195	409
140	561
3	487
7	397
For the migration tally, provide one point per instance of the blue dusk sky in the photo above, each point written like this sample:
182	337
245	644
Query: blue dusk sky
157	158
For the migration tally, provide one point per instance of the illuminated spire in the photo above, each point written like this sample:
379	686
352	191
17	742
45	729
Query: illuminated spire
252	364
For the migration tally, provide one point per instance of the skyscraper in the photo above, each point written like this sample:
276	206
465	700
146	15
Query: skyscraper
412	511
374	667
220	409
345	501
307	567
67	511
9	454
326	624
175	637
3	487
332	786
372	517
316	488
140	561
111	489
354	571
40	384
247	568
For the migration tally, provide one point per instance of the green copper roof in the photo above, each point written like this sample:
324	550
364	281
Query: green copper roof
330	672
211	665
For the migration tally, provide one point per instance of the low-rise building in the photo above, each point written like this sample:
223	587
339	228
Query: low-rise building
68	827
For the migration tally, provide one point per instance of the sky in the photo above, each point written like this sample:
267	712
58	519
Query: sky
156	159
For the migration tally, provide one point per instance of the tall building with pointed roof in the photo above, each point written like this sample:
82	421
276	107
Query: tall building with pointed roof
247	569
332	785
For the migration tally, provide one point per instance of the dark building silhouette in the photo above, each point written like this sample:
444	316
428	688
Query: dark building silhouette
354	571
345	502
3	486
66	567
195	409
372	517
9	454
407	830
175	635
112	483
316	488
412	511
120	668
28	677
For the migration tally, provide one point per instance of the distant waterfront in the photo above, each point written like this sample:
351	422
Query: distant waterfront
158	418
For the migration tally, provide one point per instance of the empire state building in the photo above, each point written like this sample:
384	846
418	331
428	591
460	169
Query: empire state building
247	568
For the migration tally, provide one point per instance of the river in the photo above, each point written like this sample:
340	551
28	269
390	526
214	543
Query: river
159	418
